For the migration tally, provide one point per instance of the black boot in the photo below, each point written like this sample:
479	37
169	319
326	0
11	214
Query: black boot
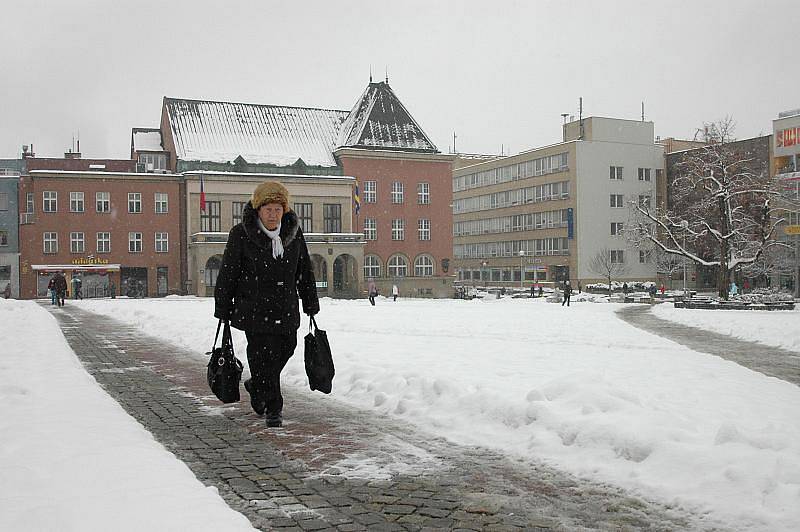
258	405
274	420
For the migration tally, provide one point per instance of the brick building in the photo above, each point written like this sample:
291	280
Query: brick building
114	230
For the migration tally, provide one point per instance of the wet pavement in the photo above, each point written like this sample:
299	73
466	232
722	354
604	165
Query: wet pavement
334	467
772	361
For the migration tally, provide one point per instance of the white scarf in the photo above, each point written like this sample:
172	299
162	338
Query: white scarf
275	236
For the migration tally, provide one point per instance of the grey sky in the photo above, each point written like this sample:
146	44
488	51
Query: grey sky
496	72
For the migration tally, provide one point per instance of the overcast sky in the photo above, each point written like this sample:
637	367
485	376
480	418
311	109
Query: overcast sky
498	73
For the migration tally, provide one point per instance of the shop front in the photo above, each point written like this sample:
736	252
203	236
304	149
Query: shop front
95	280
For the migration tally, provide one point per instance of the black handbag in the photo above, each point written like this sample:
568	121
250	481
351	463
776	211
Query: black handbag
224	369
319	362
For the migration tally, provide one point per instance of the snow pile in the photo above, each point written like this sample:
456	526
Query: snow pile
575	386
71	458
778	328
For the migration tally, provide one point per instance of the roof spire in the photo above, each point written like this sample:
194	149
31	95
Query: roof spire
387	74
370	73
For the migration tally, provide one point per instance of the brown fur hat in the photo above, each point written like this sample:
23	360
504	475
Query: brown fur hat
270	192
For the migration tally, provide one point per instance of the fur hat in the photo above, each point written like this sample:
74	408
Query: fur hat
270	192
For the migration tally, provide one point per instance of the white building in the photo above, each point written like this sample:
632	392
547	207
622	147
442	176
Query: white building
547	212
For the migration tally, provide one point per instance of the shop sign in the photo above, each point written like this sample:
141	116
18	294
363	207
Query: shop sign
787	137
89	261
792	229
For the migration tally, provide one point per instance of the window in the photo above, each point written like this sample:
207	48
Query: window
423	193
304	213
615	172
149	162
370	229
644	256
644	174
617	256
76	243
210	219
370	191
3	238
332	217
162	242
104	242
134	202
162	203
644	201
237	208
102	201
423	266
616	228
76	202
3	201
372	267
424	229
50	201
397	192
135	242
616	201
50	242
29	202
398	229
398	266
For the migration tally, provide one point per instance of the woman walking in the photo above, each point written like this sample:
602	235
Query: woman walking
265	266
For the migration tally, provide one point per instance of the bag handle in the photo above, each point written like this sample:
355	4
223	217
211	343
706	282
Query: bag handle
312	324
216	336
227	337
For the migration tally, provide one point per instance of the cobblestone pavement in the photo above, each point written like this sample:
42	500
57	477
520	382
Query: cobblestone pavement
332	467
772	361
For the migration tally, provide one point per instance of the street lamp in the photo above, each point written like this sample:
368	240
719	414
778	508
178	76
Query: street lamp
685	226
521	269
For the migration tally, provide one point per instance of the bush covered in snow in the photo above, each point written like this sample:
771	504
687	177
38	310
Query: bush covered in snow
633	286
763	295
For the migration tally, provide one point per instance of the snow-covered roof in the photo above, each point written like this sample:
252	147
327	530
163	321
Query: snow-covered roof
379	120
260	134
147	139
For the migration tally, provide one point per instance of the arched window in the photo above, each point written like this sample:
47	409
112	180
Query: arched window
423	266
212	270
398	266
372	267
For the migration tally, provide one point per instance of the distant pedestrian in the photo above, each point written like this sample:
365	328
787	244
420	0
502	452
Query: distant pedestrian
7	291
395	292
113	289
372	290
734	289
533	290
567	294
51	287
745	286
580	289
663	288
652	291
60	285
77	286
624	288
541	291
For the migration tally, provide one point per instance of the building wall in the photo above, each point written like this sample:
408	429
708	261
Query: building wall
119	222
385	167
9	225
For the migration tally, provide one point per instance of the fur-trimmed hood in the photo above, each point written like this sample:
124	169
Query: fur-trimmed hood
290	225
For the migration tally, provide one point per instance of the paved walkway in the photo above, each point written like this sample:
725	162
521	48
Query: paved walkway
772	361
332	467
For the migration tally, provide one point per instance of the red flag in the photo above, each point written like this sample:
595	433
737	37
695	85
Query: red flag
202	195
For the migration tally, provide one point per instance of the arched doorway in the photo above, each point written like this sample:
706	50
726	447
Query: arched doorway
320	267
345	276
211	272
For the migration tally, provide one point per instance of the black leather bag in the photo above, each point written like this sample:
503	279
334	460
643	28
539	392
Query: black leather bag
224	369
319	362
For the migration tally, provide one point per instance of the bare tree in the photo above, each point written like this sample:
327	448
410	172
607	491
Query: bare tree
667	263
721	211
607	265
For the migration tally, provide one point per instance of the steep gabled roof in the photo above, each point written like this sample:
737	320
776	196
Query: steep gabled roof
259	134
379	120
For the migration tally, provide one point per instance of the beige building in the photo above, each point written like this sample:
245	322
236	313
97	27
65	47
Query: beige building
543	214
322	203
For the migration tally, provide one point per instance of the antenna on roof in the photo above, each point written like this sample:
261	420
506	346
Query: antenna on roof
370	73
642	111
454	142
387	73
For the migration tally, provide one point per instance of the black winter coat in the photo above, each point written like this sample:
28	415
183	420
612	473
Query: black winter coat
257	292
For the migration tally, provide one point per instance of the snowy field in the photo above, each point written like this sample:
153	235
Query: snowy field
71	459
575	387
778	328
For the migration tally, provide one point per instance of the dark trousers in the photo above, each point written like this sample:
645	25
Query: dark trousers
566	300
267	354
372	300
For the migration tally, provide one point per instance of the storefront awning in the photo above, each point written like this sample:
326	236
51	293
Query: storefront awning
71	267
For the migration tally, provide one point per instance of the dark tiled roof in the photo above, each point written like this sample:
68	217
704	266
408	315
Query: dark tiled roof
259	134
379	120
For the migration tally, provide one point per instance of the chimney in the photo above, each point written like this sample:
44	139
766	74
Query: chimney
72	155
27	154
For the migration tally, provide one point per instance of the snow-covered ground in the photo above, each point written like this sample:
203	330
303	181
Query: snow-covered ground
71	459
779	328
576	387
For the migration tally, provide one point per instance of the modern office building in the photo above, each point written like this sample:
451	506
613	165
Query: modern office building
543	215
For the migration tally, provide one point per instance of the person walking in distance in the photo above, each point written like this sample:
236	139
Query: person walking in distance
266	265
51	286
372	290
395	292
60	285
567	294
